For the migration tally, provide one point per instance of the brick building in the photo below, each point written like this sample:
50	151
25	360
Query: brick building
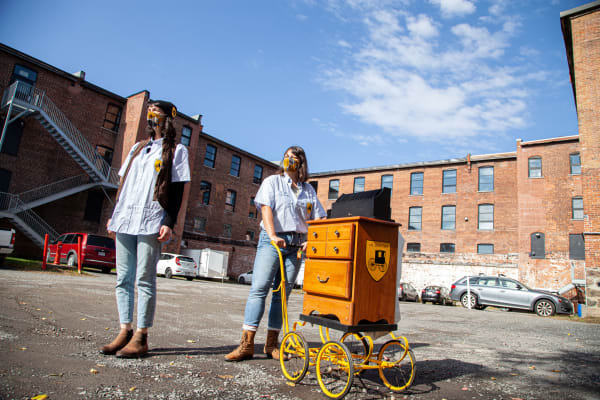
516	213
581	33
67	137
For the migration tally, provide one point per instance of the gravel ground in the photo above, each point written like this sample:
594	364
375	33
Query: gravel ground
51	326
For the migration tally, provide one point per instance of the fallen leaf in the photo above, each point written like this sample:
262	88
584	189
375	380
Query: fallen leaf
189	357
167	376
132	389
83	319
172	363
556	370
23	303
465	388
23	348
38	309
568	334
292	384
492	378
106	329
60	374
100	365
191	341
225	376
516	398
40	397
49	312
513	374
532	367
43	318
93	371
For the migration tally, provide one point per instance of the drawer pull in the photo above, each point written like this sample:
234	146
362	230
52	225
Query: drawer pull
337	233
322	280
315	234
336	249
314	249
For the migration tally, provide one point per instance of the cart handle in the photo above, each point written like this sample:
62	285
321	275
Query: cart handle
284	312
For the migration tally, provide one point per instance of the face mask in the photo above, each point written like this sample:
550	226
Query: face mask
154	119
289	164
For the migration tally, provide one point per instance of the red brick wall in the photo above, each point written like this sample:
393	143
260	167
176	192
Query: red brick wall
586	61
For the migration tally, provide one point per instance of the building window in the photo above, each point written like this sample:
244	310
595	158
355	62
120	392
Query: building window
577	207
105	152
538	246
485	249
359	184
258	172
249	235
486	217
24	74
576	246
199	224
210	156
205	188
486	179
93	206
413	247
414	218
447	248
535	167
416	183
230	200
315	185
186	135
112	118
448	217
227	230
12	136
449	181
253	212
236	163
387	181
334	189
5	176
575	164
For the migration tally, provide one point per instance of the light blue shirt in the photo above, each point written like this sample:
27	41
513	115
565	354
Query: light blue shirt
290	213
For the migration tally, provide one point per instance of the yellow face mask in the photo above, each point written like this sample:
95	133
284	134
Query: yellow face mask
154	118
290	164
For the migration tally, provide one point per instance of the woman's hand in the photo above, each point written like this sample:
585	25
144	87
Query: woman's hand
304	247
110	233
165	233
278	241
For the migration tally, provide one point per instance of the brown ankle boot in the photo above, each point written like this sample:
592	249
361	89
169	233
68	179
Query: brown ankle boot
245	350
272	345
136	348
120	341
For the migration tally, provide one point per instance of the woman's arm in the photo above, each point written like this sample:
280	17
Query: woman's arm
267	219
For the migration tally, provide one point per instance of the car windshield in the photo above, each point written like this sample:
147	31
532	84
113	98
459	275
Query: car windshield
100	241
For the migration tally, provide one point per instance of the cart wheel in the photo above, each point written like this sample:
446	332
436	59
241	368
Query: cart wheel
396	365
295	348
360	346
335	369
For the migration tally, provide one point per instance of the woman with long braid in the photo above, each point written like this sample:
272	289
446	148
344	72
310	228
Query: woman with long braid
148	201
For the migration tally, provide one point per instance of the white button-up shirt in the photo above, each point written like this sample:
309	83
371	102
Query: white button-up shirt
136	213
290	213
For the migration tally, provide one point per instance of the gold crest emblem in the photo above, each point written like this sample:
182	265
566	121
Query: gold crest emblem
157	165
309	207
378	259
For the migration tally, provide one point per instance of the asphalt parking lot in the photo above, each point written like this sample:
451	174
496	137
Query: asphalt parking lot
52	324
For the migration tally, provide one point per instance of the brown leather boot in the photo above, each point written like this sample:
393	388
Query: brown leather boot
245	350
272	345
136	348
120	341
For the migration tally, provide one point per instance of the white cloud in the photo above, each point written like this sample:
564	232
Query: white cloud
422	26
343	43
452	8
301	17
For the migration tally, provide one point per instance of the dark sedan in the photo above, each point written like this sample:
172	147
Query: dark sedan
436	295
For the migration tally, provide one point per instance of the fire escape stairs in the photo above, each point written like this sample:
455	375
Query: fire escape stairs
25	100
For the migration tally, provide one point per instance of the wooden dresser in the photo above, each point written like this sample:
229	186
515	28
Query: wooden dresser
350	270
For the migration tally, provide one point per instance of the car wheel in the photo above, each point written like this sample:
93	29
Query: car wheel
464	299
168	273
423	301
72	260
242	280
189	278
443	302
416	299
480	307
106	270
544	308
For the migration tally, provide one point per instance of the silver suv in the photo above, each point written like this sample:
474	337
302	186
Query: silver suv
504	292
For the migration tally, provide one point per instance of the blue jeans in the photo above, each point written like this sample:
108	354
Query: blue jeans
267	274
137	256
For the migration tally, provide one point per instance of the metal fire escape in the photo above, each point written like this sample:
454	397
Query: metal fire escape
22	101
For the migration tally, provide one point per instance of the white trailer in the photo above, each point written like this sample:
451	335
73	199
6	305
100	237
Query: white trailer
211	263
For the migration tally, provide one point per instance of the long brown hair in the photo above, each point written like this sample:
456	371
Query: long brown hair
161	190
303	168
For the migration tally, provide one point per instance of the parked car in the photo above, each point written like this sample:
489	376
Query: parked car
436	295
7	242
504	292
170	265
245	278
406	292
96	251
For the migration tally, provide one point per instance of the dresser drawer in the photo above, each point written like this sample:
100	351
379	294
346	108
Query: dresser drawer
317	233
340	232
315	249
328	278
339	249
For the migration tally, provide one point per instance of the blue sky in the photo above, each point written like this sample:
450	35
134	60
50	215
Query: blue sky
357	83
